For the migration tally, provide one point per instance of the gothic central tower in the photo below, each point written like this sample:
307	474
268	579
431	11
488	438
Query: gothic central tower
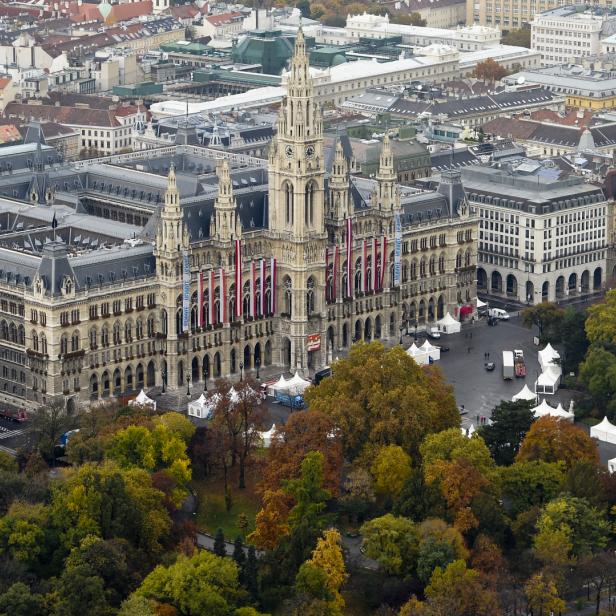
297	168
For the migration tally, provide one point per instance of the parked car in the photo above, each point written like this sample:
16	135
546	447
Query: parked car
498	313
490	366
444	349
434	333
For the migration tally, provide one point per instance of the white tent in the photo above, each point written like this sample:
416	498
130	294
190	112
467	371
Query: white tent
480	304
524	394
203	406
266	437
297	385
143	401
448	325
279	385
233	396
547	356
419	355
545	409
611	465
560	412
434	352
604	431
549	380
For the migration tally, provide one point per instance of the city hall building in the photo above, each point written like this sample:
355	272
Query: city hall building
184	262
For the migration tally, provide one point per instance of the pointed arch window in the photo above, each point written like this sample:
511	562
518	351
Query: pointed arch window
288	202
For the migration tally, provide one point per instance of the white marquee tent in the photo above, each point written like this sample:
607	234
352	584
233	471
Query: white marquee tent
267	436
524	394
611	465
545	409
548	380
297	385
203	406
547	356
434	352
448	325
419	355
143	401
604	431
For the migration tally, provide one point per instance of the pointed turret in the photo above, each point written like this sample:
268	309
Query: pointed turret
171	236
225	224
386	191
339	184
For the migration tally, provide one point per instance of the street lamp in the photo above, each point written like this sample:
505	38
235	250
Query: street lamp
416	330
164	380
401	330
188	384
241	371
204	377
257	365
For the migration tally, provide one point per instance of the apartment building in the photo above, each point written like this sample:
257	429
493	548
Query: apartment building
570	31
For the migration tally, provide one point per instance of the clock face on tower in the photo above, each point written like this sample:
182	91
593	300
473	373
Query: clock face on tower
309	151
289	151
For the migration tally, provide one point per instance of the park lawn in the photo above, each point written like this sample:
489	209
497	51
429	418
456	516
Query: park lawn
211	511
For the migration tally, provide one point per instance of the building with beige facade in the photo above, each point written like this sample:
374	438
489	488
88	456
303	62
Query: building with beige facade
183	262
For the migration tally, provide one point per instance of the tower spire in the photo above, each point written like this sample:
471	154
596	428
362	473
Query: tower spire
171	235
339	184
225	223
386	193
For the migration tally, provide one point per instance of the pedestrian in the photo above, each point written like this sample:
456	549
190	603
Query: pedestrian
488	355
471	335
468	350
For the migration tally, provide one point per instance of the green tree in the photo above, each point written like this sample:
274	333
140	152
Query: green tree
19	600
542	595
510	423
22	533
530	484
48	425
250	576
393	542
598	374
547	317
137	605
391	469
307	518
574	339
80	591
358	494
601	321
408	19
220	548
239	556
201	584
378	397
518	37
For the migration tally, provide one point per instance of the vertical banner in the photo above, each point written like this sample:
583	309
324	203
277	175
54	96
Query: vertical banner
253	290
185	291
222	312
375	280
273	290
200	293
364	260
262	277
336	268
327	287
383	260
349	257
238	278
210	307
397	249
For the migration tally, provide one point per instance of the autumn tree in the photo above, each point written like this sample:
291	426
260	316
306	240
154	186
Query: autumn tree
439	545
377	397
542	595
326	557
240	415
408	19
271	523
304	432
510	421
601	320
391	469
547	317
393	542
489	70
358	495
551	439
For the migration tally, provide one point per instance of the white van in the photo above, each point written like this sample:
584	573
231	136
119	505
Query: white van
434	333
497	313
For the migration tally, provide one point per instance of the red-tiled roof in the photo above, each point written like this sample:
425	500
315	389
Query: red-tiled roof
9	133
224	18
124	12
184	11
4	81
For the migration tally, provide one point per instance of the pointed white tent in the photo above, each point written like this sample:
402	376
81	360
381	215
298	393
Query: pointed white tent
233	396
480	304
267	436
547	356
611	465
419	355
545	409
524	394
143	401
448	325
203	406
297	385
434	352
560	412
604	431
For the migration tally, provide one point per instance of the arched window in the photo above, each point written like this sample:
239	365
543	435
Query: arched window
422	267
105	336
288	295
75	341
43	344
164	325
310	296
35	341
441	263
358	276
329	290
21	335
432	265
414	269
139	329
459	260
150	326
117	339
246	298
309	203
288	202
128	331
467	258
92	337
63	344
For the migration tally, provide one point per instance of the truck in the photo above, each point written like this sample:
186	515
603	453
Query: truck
293	402
518	363
508	365
18	415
